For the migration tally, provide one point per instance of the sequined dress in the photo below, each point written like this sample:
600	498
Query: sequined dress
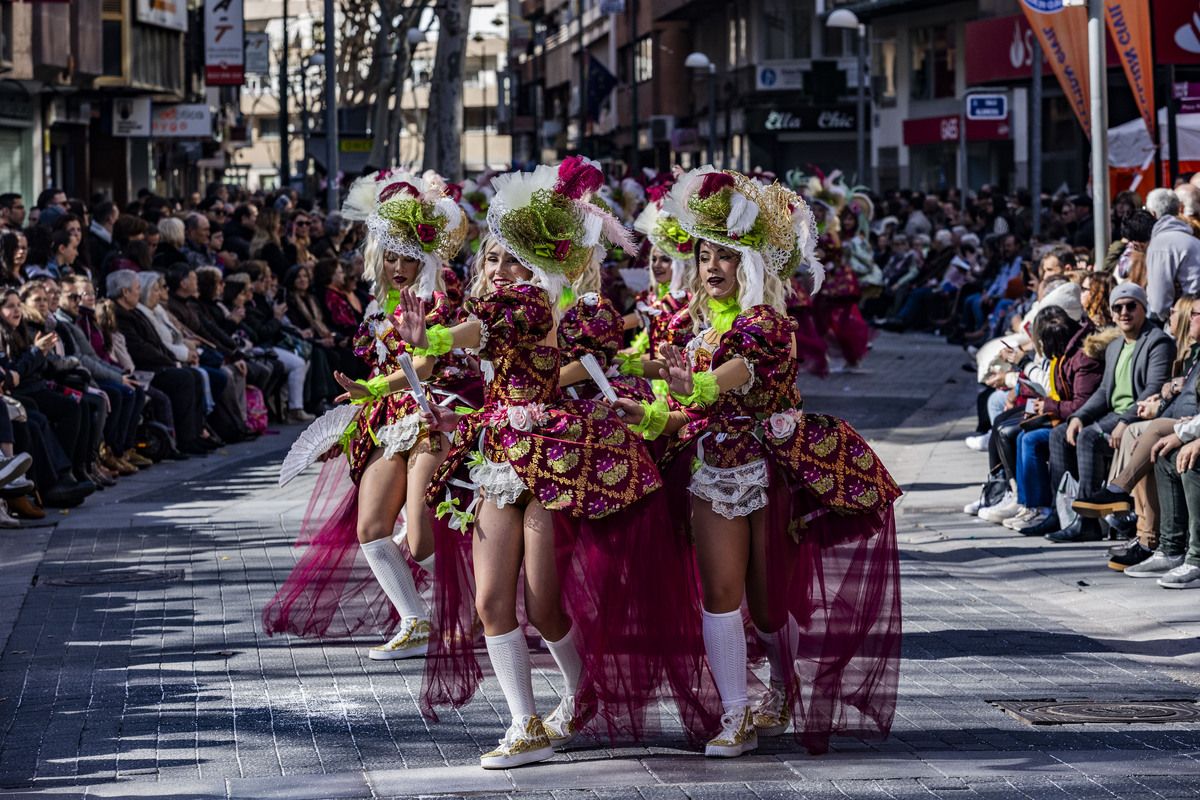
830	526
638	619
593	325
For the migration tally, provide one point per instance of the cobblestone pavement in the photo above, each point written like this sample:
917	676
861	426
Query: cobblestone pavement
169	688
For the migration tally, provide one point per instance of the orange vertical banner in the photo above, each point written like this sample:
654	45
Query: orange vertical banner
1129	26
1062	32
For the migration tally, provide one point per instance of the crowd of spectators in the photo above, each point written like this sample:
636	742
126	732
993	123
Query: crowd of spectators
1087	362
164	330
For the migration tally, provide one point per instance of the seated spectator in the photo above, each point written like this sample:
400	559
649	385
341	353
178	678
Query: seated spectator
125	397
239	231
197	231
1135	367
1097	288
126	229
171	239
1176	560
100	238
63	252
183	386
343	311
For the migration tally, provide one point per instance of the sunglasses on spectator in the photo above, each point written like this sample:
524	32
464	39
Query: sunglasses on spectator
303	224
1195	312
1123	308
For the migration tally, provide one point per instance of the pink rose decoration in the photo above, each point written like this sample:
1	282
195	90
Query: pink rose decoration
781	426
561	249
426	233
520	418
686	247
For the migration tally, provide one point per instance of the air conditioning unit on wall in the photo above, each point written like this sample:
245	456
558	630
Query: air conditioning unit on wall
661	128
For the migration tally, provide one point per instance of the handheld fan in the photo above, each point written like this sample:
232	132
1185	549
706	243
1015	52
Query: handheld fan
414	381
593	369
323	434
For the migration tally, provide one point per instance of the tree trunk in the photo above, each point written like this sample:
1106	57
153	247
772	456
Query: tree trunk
443	129
386	45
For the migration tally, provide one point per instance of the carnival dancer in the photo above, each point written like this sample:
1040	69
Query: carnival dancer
791	510
565	491
391	456
671	254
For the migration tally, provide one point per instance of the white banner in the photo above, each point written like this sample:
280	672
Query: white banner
131	116
192	121
258	54
224	40
163	13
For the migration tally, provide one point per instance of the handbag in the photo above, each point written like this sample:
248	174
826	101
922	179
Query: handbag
297	345
16	411
994	488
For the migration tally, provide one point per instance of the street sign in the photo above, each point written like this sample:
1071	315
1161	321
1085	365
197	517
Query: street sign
258	54
987	106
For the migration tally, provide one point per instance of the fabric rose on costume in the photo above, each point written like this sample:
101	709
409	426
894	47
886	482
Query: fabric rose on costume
781	426
538	413
426	233
590	299
561	249
520	418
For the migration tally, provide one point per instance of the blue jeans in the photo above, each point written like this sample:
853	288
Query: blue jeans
1033	468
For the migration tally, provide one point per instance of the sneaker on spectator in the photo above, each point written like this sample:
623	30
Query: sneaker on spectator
1185	576
979	443
1155	566
7	520
1023	513
1036	516
972	508
1007	507
1136	553
13	467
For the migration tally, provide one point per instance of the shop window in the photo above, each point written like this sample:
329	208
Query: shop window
933	61
737	36
643	59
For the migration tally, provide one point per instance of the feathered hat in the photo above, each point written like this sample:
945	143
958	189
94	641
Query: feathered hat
665	232
762	223
408	215
546	220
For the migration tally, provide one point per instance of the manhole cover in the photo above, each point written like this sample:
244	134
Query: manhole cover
115	576
1076	712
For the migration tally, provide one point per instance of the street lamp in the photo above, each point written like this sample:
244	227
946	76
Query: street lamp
845	18
701	61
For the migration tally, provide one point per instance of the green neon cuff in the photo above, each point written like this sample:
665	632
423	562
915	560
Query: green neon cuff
440	342
704	390
654	420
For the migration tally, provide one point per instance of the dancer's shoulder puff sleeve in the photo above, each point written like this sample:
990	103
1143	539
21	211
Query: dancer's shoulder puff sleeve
376	342
761	336
679	329
512	315
591	326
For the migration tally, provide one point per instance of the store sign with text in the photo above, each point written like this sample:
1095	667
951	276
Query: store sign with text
131	116
224	43
1002	50
1177	31
841	119
191	121
937	130
163	13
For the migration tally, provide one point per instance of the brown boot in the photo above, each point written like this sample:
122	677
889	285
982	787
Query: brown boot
135	458
25	508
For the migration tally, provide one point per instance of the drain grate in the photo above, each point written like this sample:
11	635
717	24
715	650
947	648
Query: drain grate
1081	712
114	576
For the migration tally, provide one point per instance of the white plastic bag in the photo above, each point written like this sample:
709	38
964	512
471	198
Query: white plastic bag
1068	489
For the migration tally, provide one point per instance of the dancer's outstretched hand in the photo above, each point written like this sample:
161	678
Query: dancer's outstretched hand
677	373
354	390
409	319
440	419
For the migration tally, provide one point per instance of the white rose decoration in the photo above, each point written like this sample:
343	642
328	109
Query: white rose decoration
780	426
520	418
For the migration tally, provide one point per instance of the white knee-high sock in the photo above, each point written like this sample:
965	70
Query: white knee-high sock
781	648
391	570
510	661
427	563
566	655
725	644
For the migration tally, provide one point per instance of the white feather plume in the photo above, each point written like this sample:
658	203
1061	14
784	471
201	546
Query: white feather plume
360	200
431	265
742	213
446	207
753	269
593	226
678	274
676	202
515	189
645	222
806	240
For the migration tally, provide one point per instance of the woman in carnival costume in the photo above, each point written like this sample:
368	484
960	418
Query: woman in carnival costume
835	307
565	491
791	510
390	454
672	250
855	222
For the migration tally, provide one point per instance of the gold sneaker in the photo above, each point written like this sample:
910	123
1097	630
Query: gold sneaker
411	641
738	734
772	714
524	742
562	726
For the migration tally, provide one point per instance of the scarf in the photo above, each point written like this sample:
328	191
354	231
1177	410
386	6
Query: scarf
723	313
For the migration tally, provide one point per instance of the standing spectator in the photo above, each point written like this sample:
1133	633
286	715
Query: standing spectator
267	245
100	233
239	231
1085	229
1189	206
1173	255
126	229
197	230
1136	232
1136	365
12	211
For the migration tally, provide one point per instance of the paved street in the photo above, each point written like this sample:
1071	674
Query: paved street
170	689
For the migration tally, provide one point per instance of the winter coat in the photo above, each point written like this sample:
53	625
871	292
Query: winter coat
82	348
1078	372
1153	354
